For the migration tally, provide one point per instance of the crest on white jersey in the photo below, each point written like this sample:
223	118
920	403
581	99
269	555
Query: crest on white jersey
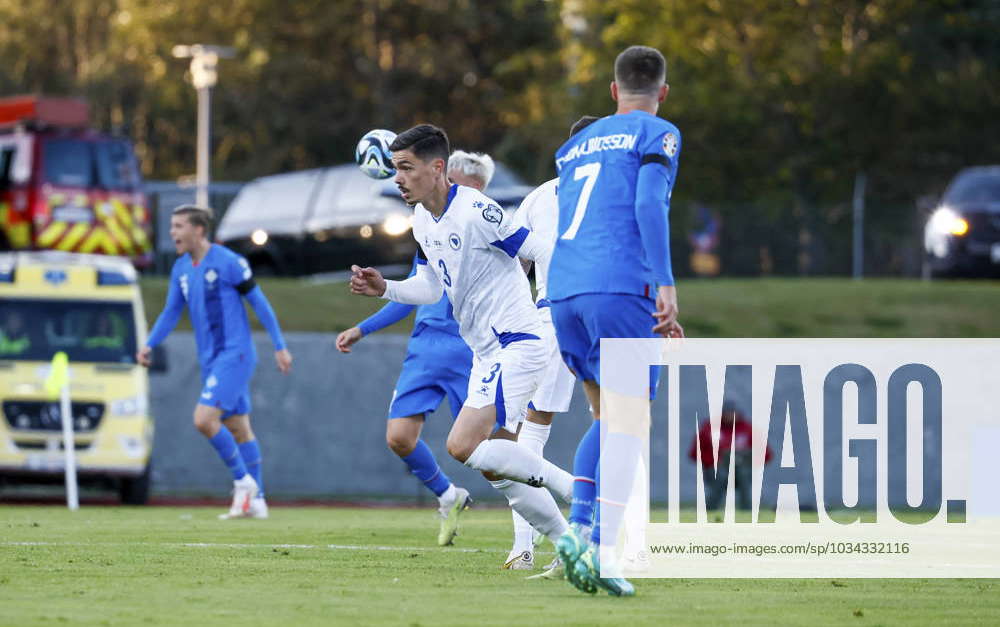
493	214
670	144
454	241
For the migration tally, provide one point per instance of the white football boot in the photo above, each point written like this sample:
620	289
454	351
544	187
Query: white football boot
258	508
519	560
244	491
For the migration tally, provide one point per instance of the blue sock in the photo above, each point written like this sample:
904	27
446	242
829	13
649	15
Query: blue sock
250	452
585	476
225	446
424	467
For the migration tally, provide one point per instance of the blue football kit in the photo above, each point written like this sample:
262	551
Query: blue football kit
613	247
612	253
213	290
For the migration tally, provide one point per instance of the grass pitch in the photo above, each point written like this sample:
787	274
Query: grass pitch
324	566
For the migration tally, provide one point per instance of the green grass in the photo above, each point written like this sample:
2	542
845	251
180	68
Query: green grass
134	566
715	308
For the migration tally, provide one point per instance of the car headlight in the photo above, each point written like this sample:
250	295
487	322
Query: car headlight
396	224
128	406
946	221
259	237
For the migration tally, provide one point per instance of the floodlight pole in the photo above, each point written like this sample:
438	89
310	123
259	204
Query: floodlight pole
204	76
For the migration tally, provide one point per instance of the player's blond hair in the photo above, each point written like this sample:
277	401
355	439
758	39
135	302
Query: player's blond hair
198	216
477	164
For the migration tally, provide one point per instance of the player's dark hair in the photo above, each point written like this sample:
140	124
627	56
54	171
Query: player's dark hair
198	216
582	123
425	141
640	70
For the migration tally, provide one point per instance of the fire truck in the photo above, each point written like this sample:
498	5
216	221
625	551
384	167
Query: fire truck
67	187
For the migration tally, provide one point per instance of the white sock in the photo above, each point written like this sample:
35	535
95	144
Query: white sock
533	436
447	498
536	506
512	461
637	512
524	534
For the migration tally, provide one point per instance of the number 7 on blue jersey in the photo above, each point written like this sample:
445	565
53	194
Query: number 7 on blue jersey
590	172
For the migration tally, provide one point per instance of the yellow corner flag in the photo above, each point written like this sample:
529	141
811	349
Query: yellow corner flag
58	374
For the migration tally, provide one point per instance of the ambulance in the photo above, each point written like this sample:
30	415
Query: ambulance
64	186
90	307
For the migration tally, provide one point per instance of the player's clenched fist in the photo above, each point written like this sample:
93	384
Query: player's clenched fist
367	281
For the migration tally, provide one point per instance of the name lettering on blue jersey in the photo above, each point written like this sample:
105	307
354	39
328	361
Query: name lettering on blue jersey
619	141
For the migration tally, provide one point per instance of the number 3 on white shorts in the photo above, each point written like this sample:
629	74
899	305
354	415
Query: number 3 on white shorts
590	172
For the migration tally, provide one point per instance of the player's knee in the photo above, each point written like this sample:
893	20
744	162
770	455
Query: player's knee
400	444
459	449
241	433
204	423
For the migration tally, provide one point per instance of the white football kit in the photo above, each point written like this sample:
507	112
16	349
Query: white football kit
469	252
539	213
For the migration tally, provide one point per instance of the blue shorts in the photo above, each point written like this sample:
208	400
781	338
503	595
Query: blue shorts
582	320
437	365
226	384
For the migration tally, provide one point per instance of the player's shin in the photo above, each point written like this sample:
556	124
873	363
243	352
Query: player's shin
424	466
585	471
619	459
225	445
536	505
250	452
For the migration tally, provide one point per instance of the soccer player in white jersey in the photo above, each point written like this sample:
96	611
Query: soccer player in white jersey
467	248
539	213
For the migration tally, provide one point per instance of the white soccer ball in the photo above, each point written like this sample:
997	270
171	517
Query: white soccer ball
372	154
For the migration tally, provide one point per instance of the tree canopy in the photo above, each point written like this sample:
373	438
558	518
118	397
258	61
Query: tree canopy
780	103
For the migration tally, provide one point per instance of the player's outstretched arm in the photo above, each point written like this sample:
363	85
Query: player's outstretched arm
389	315
423	288
165	323
265	314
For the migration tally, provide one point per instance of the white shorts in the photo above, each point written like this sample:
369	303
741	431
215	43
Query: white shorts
508	378
555	390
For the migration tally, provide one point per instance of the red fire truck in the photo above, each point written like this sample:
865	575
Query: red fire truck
64	186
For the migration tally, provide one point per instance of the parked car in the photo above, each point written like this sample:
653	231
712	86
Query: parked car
326	219
962	236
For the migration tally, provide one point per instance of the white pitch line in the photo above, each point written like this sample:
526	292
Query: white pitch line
219	545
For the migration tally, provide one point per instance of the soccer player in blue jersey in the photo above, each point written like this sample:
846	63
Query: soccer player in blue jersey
437	365
212	281
611	277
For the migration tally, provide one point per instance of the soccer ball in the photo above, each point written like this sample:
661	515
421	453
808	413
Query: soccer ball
372	154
